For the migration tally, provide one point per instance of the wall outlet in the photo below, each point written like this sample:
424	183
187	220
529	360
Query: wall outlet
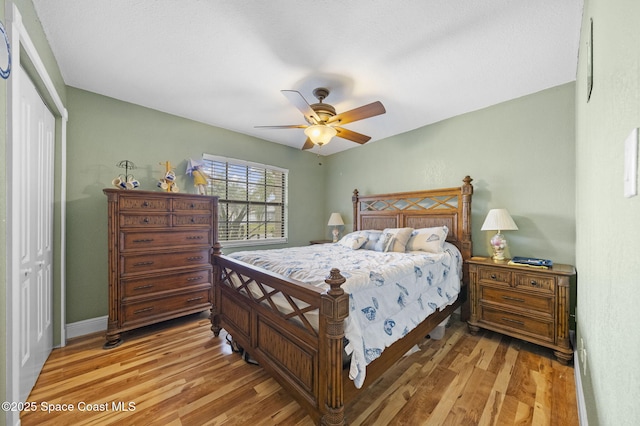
631	164
582	352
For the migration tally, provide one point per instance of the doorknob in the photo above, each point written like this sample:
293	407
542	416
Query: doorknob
26	272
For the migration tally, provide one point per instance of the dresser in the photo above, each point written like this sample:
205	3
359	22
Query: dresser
523	302
160	247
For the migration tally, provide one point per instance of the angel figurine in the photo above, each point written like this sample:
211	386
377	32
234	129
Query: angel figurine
200	178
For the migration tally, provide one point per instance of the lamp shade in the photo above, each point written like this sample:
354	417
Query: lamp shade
335	220
499	220
320	134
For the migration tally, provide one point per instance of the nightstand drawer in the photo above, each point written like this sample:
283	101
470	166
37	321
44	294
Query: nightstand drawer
495	276
532	302
538	328
539	283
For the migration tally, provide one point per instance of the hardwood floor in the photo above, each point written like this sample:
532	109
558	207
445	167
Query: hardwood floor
177	373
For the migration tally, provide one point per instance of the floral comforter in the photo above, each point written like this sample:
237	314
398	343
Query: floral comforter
389	293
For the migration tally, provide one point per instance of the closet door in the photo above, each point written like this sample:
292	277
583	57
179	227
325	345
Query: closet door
33	186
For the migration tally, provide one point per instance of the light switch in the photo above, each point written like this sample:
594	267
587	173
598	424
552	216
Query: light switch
631	164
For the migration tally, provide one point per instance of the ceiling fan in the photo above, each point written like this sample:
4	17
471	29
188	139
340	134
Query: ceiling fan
324	122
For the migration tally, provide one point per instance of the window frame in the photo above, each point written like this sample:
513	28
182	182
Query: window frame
222	200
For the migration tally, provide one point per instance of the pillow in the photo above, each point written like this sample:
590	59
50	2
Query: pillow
354	240
394	239
372	239
428	239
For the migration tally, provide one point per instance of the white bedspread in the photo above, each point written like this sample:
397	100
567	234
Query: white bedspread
389	293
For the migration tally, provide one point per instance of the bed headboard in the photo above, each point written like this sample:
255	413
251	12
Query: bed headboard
419	209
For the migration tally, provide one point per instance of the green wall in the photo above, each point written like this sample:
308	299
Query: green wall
520	155
607	223
103	131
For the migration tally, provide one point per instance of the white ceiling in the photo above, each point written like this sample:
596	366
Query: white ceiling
224	62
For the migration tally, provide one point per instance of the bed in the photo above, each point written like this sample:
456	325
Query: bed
296	330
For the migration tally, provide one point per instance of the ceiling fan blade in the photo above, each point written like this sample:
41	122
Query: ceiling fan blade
365	111
352	136
308	144
287	126
303	106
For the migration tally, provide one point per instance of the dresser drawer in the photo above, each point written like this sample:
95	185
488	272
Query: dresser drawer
143	287
190	301
145	203
541	304
495	276
141	240
539	328
193	220
132	264
534	282
191	204
153	220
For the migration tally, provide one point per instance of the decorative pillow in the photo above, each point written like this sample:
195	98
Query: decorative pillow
394	239
373	237
428	239
354	240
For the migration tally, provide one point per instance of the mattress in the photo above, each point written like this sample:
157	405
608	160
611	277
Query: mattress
390	293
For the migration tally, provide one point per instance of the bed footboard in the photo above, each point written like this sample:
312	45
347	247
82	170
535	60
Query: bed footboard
299	344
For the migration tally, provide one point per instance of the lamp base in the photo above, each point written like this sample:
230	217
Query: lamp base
335	233
498	243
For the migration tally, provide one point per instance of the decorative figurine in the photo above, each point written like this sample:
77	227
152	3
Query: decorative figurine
200	178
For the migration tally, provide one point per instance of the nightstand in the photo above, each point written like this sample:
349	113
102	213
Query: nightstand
527	303
319	241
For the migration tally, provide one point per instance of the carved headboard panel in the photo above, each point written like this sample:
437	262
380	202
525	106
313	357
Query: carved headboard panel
419	209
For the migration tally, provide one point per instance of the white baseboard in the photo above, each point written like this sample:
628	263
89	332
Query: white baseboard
88	326
582	407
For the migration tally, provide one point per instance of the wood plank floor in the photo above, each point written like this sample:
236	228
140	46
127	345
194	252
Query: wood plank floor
177	373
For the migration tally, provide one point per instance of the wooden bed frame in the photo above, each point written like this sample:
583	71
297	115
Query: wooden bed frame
305	360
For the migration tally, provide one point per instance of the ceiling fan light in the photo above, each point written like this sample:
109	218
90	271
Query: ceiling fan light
320	134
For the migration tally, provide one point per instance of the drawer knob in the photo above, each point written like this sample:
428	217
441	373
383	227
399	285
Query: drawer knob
142	287
199	277
146	220
493	276
193	206
145	204
534	283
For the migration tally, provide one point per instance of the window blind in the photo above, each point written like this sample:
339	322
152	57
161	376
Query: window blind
252	206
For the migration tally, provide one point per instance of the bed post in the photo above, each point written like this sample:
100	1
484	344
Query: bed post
354	200
334	308
466	245
215	289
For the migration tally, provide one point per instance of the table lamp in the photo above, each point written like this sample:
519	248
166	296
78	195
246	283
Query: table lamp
335	220
499	220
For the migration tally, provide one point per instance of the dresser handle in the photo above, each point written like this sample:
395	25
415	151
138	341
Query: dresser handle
193	220
144	240
146	220
143	263
195	237
512	321
194	299
145	204
141	311
193	206
513	299
142	287
534	283
493	276
194	278
195	258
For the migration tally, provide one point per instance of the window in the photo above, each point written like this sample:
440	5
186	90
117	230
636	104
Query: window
252	206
